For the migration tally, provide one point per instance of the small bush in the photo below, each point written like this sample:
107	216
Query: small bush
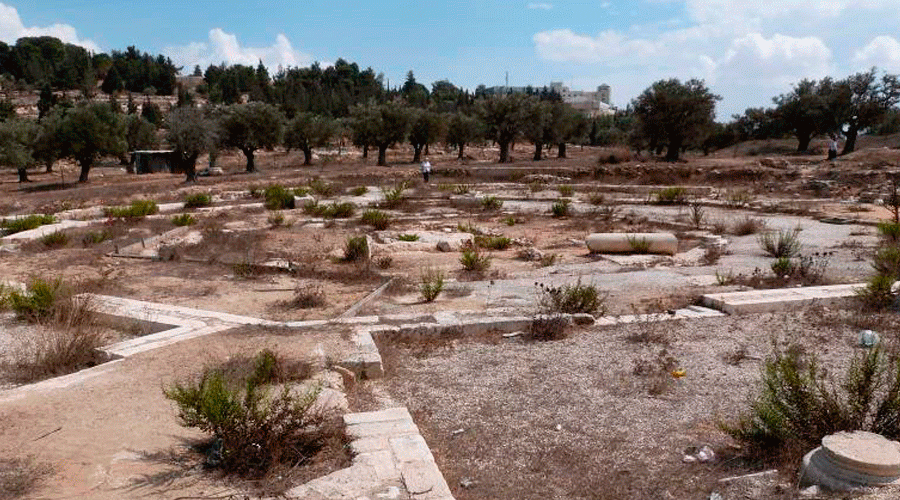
19	478
571	299
308	296
300	191
537	186
467	227
566	190
462	188
548	327
95	237
890	230
343	210
253	430
394	197
56	239
491	203
321	188
549	259
638	245
275	219
886	261
184	220
675	195
40	299
614	156
797	406
783	267
782	243
493	242
747	226
509	221
596	198
431	284
384	262
560	208
739	198
197	200
278	198
474	261
356	249
137	210
408	237
376	218
698	215
359	190
26	223
877	294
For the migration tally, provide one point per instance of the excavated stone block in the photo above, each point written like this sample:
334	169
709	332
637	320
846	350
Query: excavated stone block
663	243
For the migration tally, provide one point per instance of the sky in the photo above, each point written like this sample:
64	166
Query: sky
747	51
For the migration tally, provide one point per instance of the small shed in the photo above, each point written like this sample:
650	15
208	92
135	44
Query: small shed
152	161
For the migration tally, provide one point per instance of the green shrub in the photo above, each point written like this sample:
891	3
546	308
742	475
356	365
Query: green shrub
376	218
596	198
747	226
566	190
560	208
27	223
890	230
509	221
95	237
408	237
491	203
548	327
462	188
675	195
184	220
877	294
467	227
253	428
197	200
300	191
493	242
278	198
137	210
638	245
394	197
473	260
40	299
783	267
359	190
321	187
356	249
275	219
343	210
431	284
781	243
56	239
887	261
797	406
571	299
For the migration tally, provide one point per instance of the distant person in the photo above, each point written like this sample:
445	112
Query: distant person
426	170
832	146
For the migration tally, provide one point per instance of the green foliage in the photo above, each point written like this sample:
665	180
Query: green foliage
380	125
431	284
331	211
254	429
95	237
275	219
877	294
674	195
509	221
47	60
675	113
376	218
89	131
467	227
504	117
356	249
492	242
321	187
359	190
39	301
887	261
300	191
307	131
491	203
394	197
184	220
781	243
783	266
560	208
462	189
278	198
197	200
797	406
473	260
566	190
138	209
190	133
571	299
139	133
249	127
408	237
56	239
27	223
462	129
890	230
638	245
426	127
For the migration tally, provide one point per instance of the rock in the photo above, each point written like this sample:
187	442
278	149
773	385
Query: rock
847	461
216	171
774	163
868	338
706	454
583	319
812	491
466	482
531	254
444	246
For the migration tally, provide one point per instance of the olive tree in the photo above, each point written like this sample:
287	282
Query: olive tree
674	112
426	127
249	127
503	118
14	145
383	125
461	130
89	131
307	131
189	134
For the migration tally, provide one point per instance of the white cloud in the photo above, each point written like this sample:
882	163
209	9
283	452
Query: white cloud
539	6
782	60
883	51
225	47
12	28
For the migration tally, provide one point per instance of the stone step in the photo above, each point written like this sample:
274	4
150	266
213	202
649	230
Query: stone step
782	299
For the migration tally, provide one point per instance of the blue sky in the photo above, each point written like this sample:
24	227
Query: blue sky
746	51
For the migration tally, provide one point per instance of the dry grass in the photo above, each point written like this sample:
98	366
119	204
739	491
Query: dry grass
19	477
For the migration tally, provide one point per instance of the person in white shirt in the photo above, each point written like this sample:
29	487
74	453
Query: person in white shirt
426	170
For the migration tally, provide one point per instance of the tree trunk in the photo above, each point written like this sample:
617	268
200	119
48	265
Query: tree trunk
417	153
504	152
659	149
462	147
251	166
23	174
307	156
803	139
850	145
382	156
49	167
538	149
426	150
85	168
189	165
561	150
365	150
674	150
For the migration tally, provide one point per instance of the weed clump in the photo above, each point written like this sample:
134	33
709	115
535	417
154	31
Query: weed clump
473	260
431	284
321	188
56	239
408	237
253	427
491	203
395	197
278	198
356	249
746	226
359	190
138	209
492	242
566	190
26	223
308	296
782	243
184	220
571	299
560	208
376	218
548	327
197	200
675	195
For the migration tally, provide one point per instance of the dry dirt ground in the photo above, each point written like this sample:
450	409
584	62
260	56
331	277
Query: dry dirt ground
116	436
